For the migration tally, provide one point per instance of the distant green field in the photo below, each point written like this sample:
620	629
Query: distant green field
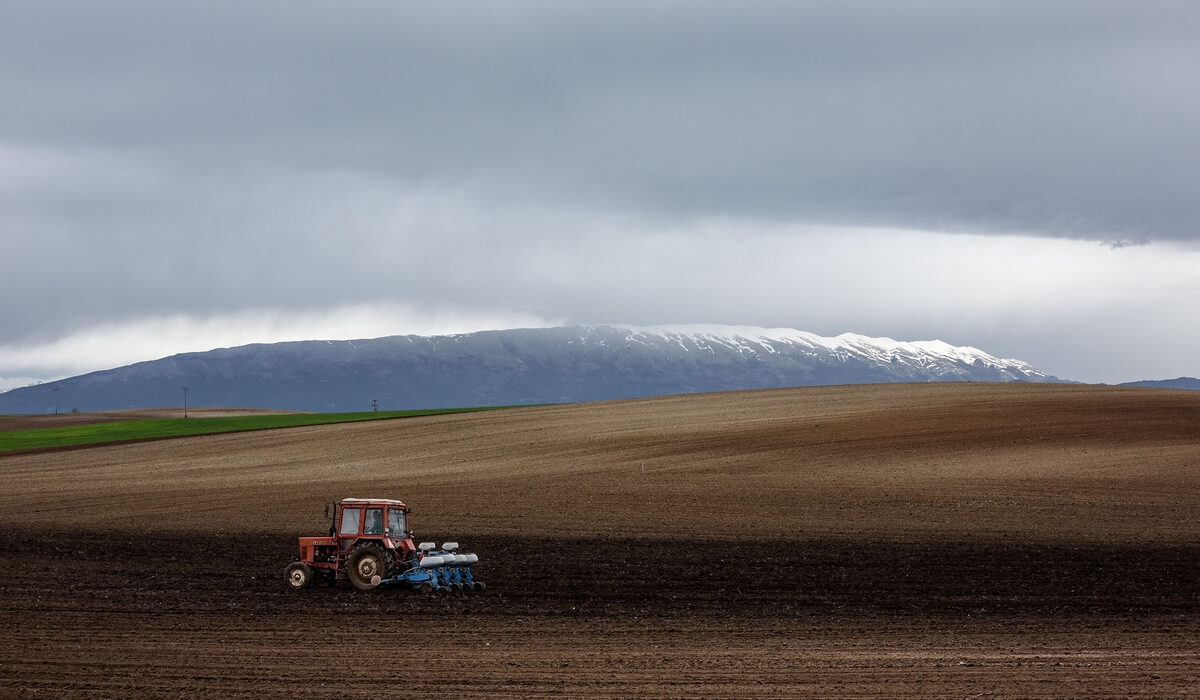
118	431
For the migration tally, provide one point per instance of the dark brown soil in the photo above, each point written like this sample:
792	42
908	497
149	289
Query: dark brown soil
648	578
113	614
867	542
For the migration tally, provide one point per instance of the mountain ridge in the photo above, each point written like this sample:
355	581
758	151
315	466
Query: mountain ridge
516	366
1190	383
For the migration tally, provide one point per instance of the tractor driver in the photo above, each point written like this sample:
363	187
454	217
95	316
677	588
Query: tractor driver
374	524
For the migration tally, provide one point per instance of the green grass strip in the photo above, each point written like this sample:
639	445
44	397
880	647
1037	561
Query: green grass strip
118	431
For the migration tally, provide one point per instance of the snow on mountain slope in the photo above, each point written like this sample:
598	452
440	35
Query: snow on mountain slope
926	354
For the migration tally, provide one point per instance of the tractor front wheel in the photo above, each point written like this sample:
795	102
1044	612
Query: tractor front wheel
367	566
298	575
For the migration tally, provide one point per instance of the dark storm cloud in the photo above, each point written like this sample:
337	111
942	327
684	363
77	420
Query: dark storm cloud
157	157
1047	118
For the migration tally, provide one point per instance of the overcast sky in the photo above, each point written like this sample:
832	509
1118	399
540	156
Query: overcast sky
1023	177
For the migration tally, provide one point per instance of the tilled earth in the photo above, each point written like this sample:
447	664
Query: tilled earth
113	614
922	540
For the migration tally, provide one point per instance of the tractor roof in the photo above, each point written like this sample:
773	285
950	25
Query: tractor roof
384	501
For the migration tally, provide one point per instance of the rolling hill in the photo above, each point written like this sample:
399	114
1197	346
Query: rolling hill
953	539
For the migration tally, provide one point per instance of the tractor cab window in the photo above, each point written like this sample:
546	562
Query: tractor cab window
350	521
396	523
374	524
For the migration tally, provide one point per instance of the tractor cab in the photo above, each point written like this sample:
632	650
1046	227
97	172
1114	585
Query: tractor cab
354	520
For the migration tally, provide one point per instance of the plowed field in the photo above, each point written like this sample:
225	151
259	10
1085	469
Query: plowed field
920	540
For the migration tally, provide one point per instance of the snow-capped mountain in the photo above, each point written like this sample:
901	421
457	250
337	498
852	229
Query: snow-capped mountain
544	365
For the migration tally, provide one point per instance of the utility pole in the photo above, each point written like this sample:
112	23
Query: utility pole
374	404
56	401
185	402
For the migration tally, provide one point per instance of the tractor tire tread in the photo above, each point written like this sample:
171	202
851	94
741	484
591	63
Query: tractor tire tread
373	548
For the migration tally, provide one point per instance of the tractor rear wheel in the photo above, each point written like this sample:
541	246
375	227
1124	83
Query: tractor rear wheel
298	575
368	565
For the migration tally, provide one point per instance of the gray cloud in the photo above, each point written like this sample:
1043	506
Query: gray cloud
204	157
1061	119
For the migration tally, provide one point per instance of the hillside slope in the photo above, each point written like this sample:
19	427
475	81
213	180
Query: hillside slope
949	459
1026	540
529	366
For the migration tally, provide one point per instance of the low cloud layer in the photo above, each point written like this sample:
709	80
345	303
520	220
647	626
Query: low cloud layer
1077	309
1017	176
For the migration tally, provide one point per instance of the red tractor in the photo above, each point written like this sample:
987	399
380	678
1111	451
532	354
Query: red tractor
369	544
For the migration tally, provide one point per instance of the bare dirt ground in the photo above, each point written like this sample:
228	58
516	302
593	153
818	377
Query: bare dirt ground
922	540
